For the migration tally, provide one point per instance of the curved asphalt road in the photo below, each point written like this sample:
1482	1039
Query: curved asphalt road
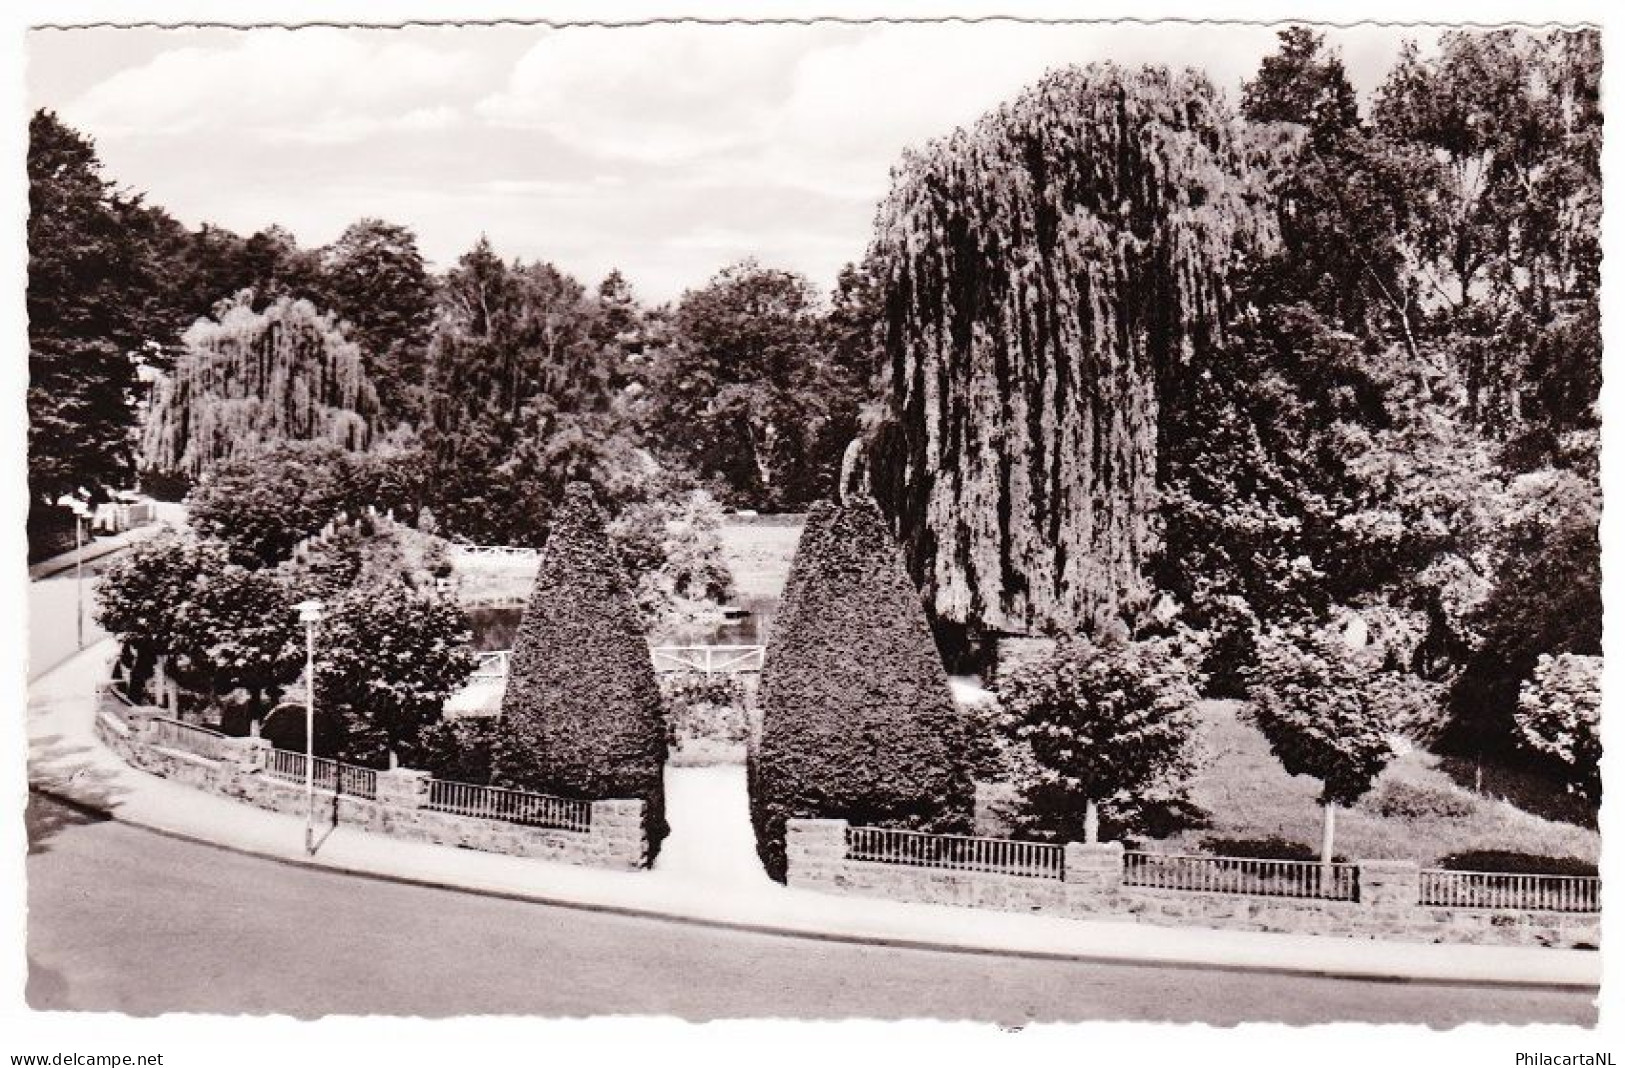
126	920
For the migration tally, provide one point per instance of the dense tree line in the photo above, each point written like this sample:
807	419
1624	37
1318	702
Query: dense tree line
1363	347
489	386
1317	364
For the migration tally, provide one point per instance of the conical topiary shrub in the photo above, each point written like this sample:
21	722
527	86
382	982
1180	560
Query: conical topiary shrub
858	722
583	710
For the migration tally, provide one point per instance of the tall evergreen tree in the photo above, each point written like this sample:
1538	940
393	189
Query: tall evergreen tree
373	278
858	722
582	706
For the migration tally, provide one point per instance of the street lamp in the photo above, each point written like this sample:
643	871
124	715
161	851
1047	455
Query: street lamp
81	512
310	614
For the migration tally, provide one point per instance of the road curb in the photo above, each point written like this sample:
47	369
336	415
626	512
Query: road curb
771	930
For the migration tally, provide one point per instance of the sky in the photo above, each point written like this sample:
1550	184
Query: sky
667	151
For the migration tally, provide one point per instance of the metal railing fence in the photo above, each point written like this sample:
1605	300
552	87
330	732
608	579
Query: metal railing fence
1039	860
512	806
1505	890
1241	875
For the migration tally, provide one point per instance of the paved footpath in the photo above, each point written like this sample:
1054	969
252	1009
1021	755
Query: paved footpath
702	879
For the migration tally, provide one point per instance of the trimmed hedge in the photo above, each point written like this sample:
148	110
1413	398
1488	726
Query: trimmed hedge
858	722
583	709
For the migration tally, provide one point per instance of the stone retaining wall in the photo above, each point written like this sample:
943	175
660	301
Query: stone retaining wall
616	837
1092	888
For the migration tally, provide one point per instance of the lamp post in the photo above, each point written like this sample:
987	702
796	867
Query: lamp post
310	614
81	511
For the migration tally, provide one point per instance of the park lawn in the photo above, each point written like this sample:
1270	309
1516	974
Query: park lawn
759	554
494	577
1248	795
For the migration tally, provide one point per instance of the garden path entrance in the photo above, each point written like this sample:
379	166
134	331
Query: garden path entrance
711	840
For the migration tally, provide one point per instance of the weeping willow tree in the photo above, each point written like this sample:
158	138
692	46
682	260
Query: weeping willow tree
1038	273
251	379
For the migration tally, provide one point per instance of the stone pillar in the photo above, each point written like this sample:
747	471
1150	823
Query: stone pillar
1098	865
617	832
1093	874
403	788
139	719
245	755
1390	884
813	850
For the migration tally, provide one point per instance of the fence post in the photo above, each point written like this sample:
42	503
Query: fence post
1390	884
814	851
139	719
617	830
1092	875
403	788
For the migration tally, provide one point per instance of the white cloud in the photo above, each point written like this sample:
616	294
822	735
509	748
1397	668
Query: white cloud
666	151
656	94
310	85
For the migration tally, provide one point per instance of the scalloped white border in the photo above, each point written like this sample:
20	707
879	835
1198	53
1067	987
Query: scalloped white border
502	1041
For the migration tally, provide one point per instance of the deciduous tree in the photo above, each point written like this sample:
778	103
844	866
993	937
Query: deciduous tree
389	660
1104	722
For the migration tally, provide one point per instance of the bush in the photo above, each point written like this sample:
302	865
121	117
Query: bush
1111	723
1547	600
704	708
264	504
582	705
671	545
858	722
1560	716
461	750
1512	863
1232	653
165	485
1272	847
1406	800
1411	705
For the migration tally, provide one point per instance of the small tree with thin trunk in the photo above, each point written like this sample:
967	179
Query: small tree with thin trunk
1104	722
1323	717
388	658
1560	716
584	714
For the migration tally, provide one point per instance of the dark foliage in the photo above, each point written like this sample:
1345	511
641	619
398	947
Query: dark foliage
1548	599
1273	847
390	659
460	750
582	704
374	279
858	722
1513	863
748	393
87	274
265	504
